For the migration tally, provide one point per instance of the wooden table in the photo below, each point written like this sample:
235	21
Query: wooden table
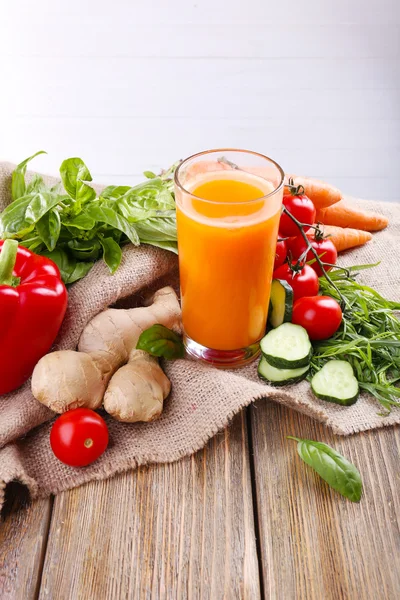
243	518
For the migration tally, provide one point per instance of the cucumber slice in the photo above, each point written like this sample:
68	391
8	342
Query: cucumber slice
276	376
281	302
335	382
287	347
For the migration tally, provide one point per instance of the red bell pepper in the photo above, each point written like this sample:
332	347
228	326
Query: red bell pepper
33	301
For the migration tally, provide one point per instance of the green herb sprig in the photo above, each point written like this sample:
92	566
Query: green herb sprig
75	227
369	337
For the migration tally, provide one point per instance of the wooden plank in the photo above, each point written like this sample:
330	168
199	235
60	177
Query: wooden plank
183	530
314	543
23	538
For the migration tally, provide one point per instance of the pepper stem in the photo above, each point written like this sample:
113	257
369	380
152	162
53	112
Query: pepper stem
8	256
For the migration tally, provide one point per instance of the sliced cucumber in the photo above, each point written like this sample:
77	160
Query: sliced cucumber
335	382
281	303
276	376
287	347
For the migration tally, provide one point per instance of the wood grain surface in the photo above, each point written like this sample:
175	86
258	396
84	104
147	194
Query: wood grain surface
314	543
188	531
23	539
183	530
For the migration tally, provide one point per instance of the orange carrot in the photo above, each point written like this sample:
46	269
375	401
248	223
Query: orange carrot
345	237
321	193
342	215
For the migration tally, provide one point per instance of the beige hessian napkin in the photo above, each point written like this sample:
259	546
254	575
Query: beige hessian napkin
203	399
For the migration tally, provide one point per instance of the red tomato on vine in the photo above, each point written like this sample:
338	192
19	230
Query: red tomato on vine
299	206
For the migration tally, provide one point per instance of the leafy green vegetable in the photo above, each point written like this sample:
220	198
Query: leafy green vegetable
70	268
18	177
75	227
369	337
48	228
103	213
336	470
112	253
161	341
74	173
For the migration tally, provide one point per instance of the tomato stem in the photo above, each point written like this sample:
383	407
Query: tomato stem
88	443
301	226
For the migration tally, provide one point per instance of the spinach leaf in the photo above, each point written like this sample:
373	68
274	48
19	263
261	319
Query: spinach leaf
336	470
70	268
161	341
74	173
18	177
104	213
112	253
49	227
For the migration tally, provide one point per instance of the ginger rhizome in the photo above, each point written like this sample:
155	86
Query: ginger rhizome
107	368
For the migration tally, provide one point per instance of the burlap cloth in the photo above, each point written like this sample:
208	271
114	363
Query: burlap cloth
203	399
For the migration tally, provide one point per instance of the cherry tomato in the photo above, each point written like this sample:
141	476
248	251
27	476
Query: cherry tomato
304	282
325	248
319	315
78	437
280	253
301	207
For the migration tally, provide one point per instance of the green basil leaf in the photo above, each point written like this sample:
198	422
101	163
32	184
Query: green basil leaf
18	177
171	246
336	470
48	228
112	253
12	219
157	230
161	341
81	221
112	192
40	204
74	173
149	174
85	249
36	184
70	268
104	213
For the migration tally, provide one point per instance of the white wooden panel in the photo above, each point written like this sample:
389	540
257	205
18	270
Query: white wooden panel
158	12
146	98
90	36
125	73
129	146
130	85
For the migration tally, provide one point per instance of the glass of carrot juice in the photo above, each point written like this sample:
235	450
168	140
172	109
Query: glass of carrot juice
228	208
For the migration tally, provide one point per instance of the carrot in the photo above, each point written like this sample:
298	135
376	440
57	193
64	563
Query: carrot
345	237
321	193
345	216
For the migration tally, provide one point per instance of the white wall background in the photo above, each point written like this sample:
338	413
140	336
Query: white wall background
130	85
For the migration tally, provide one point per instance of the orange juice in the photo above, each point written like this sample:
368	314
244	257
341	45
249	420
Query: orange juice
227	225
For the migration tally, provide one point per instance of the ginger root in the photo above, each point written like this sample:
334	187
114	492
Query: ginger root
108	366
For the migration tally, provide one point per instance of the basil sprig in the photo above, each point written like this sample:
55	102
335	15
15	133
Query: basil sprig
161	341
75	226
336	470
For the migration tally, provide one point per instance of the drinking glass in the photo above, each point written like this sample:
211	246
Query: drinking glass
228	208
